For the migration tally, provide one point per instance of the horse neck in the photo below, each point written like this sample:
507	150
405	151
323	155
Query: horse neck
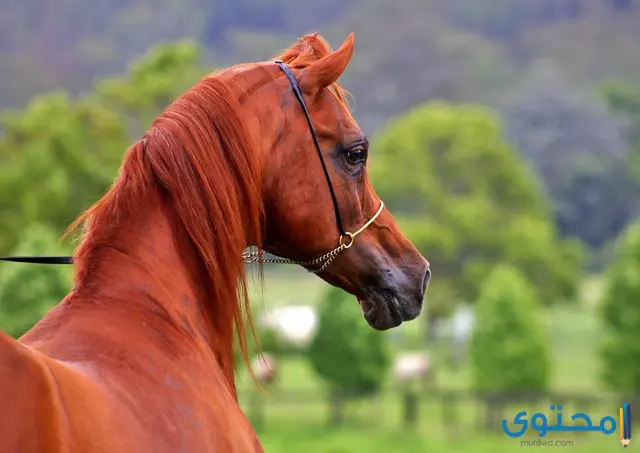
154	280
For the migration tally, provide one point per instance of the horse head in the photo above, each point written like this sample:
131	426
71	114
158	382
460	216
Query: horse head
315	204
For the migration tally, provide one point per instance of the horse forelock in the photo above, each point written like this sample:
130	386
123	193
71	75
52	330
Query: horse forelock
201	155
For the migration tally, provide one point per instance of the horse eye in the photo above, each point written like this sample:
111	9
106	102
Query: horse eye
357	155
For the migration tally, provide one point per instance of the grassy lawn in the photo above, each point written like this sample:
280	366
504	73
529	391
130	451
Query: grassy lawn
295	411
295	420
305	439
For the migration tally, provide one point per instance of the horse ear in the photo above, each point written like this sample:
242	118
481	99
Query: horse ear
328	69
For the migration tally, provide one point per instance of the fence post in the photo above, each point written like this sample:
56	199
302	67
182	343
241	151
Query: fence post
449	411
493	408
336	409
256	406
410	407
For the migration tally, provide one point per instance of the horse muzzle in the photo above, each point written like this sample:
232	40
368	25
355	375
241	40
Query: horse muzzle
389	305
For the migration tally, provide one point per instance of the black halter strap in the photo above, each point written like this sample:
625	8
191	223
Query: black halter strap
298	93
296	90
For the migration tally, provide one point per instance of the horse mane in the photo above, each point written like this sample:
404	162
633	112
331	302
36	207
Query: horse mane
200	157
308	49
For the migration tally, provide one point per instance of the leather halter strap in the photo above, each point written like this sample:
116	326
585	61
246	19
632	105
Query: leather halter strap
296	90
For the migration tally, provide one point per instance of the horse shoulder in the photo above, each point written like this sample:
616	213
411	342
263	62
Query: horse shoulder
28	402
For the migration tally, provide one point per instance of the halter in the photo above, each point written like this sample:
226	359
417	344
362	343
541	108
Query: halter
345	239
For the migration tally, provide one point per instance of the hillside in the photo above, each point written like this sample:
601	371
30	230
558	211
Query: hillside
407	52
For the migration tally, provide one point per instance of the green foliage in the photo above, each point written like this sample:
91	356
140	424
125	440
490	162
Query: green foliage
270	341
468	201
352	358
624	100
509	350
58	155
438	43
28	291
152	82
581	160
620	311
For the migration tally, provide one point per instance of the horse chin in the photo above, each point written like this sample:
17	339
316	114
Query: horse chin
381	313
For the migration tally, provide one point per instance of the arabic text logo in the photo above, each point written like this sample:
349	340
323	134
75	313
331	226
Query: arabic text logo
582	422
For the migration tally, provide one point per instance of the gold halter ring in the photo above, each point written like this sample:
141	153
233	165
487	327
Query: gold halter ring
352	236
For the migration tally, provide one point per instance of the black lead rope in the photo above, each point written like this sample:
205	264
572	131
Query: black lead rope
39	259
298	94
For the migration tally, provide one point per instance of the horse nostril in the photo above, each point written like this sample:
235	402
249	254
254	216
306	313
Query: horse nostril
425	282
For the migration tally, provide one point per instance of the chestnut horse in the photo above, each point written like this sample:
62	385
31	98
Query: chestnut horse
138	357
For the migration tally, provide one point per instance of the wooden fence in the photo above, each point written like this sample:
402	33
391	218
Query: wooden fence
453	410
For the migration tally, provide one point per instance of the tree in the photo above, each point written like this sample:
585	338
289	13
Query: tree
624	100
509	349
69	45
576	147
350	357
620	311
270	341
468	201
438	61
28	291
59	154
152	82
505	20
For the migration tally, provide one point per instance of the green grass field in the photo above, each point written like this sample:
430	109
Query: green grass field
296	413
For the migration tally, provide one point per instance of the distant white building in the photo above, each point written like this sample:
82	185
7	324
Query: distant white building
412	366
461	327
462	323
295	324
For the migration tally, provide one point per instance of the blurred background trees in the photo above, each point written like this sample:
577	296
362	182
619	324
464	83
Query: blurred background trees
58	153
351	358
509	349
624	101
578	150
28	292
468	201
620	349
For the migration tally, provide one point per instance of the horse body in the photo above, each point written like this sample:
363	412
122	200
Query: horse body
139	356
72	407
125	366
